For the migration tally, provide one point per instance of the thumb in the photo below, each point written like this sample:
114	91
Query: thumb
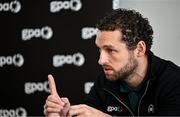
52	85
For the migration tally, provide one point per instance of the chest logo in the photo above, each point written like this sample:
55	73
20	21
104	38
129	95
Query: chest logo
115	109
151	109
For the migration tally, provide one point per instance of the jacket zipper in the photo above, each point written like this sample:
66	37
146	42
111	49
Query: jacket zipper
119	101
142	97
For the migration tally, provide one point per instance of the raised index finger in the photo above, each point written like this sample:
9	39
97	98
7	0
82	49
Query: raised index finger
52	85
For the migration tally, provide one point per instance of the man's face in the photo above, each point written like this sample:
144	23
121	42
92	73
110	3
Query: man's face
116	60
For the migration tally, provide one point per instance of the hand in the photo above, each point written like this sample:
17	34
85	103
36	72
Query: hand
55	106
83	110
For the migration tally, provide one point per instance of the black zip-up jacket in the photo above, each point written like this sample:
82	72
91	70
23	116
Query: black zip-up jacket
161	94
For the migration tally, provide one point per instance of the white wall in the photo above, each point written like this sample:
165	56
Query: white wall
164	16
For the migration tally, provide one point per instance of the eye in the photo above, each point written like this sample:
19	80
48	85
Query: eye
109	50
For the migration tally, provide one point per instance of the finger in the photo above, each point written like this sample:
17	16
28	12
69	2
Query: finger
76	110
45	106
52	110
79	106
53	105
45	113
66	106
55	99
52	85
65	100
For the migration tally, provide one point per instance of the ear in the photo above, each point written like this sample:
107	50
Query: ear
140	49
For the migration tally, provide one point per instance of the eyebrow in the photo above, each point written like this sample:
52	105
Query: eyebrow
106	46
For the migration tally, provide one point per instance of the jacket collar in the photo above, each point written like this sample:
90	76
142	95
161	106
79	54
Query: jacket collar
156	65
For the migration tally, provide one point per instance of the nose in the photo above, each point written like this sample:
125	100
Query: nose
103	58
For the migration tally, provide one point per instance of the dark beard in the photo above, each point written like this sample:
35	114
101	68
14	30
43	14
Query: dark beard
126	71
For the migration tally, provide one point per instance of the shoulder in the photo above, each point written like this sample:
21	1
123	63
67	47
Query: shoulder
165	73
171	72
164	69
169	79
173	68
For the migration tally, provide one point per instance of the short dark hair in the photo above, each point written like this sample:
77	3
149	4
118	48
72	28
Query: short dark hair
133	26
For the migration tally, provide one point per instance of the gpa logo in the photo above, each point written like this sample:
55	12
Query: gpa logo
115	4
88	32
13	6
56	6
77	59
44	33
31	87
115	109
16	60
19	112
88	86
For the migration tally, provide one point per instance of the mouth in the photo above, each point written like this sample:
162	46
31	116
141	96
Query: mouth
107	70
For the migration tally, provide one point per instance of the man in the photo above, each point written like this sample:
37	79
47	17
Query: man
135	81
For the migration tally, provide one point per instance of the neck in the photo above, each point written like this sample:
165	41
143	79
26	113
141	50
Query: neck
136	78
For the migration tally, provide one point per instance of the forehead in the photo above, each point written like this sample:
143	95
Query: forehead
108	38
